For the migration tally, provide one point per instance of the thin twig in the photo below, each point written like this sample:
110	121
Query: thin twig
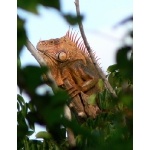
101	74
70	134
67	112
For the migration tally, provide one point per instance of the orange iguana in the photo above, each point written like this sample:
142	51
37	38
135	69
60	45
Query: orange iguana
72	70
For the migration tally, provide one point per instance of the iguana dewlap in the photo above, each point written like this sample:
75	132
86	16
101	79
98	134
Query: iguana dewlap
72	70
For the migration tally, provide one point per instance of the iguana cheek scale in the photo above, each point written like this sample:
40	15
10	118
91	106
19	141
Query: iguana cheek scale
72	69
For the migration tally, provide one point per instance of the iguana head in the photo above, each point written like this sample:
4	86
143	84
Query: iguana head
61	51
66	48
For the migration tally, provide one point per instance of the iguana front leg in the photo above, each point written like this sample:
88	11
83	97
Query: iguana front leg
86	79
76	105
80	101
84	76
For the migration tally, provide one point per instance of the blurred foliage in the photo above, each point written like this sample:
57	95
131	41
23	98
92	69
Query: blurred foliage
21	35
112	129
72	19
31	6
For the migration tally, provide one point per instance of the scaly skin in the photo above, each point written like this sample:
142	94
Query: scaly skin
73	70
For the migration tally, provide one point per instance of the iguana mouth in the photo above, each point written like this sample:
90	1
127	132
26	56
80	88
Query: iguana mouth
44	52
51	57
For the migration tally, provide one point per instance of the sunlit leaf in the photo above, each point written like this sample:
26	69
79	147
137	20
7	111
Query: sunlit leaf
43	135
101	84
92	99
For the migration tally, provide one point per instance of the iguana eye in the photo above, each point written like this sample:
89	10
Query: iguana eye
51	41
62	56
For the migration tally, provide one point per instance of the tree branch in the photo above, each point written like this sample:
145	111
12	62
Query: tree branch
67	112
101	74
40	60
70	134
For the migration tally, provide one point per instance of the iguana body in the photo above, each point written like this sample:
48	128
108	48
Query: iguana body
73	70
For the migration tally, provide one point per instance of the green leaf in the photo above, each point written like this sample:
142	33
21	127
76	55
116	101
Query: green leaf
51	3
112	68
21	119
20	100
21	130
43	135
30	77
31	125
31	106
29	133
31	5
125	64
101	84
59	99
127	100
18	62
121	57
32	118
127	19
21	34
92	99
24	110
35	144
18	106
73	19
111	80
79	140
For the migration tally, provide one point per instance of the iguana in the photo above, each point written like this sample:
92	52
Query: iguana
73	70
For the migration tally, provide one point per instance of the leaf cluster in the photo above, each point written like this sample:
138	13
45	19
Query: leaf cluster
112	129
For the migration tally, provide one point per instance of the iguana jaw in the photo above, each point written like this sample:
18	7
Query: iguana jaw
53	49
60	56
